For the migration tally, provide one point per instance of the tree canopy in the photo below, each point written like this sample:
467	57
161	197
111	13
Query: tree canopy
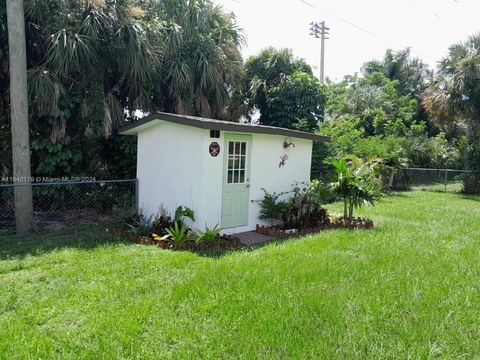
283	89
93	63
455	98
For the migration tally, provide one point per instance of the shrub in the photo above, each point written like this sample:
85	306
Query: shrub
357	182
304	209
301	210
142	225
179	234
183	212
210	235
271	207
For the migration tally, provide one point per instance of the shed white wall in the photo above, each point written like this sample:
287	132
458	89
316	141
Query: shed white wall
175	168
169	168
266	173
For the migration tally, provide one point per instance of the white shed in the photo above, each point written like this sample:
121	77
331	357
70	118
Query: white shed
217	168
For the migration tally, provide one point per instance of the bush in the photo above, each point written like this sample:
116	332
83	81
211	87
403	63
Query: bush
303	209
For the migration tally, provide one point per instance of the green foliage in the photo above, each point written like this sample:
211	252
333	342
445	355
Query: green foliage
55	158
434	152
455	98
183	212
304	208
209	235
91	64
284	90
297	102
357	182
142	225
271	207
373	102
412	74
178	234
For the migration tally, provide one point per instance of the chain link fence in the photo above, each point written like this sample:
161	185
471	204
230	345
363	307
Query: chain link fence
61	205
413	179
422	179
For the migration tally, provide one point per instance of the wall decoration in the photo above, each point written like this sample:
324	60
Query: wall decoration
288	143
283	160
214	149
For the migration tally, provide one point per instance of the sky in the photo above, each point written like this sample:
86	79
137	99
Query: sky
360	30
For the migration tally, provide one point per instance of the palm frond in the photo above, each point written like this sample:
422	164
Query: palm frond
44	91
113	114
69	51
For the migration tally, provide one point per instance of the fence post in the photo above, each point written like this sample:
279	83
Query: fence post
137	200
446	179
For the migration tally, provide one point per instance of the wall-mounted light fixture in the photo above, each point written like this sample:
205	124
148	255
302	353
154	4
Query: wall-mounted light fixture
288	143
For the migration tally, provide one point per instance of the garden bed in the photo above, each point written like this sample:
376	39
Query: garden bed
277	231
226	242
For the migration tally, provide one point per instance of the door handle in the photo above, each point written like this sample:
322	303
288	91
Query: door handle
248	185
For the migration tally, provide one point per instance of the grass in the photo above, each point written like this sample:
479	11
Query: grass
408	289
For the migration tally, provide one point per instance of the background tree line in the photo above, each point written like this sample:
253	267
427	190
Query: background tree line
402	111
94	64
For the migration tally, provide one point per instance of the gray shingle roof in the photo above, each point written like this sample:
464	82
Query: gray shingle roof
212	124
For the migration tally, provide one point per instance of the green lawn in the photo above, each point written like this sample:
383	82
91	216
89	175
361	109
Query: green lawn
408	289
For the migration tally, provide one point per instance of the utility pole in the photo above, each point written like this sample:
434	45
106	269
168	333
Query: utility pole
320	31
19	115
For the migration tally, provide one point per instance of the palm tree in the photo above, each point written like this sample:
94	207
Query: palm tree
201	61
455	98
357	182
19	115
102	49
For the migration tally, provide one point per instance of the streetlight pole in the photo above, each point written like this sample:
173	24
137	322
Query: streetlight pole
320	31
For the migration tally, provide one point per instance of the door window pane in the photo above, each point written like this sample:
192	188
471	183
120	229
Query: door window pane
242	162
237	162
242	176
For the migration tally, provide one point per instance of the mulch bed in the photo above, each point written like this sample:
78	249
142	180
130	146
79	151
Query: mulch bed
225	244
278	232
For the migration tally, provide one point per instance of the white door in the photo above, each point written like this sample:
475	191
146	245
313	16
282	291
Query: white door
236	181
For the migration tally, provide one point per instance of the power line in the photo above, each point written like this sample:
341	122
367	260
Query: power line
338	17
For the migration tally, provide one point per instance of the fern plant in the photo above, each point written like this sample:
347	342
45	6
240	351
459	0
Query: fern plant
271	207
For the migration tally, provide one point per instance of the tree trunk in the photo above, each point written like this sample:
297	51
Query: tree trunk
19	115
345	211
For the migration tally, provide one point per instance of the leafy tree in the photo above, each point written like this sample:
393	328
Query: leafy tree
200	63
297	102
374	100
283	89
412	74
93	63
455	97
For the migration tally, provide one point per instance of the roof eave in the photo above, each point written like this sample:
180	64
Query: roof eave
154	119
